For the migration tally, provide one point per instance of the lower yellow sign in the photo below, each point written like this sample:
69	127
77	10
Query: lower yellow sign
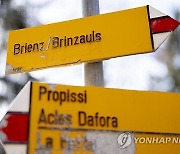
56	108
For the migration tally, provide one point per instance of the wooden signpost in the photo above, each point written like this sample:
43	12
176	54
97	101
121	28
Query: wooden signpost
127	32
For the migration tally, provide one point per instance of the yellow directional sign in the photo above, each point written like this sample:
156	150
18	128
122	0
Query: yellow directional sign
54	108
48	111
81	40
127	32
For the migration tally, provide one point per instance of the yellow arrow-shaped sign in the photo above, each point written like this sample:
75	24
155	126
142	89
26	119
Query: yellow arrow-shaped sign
48	110
88	39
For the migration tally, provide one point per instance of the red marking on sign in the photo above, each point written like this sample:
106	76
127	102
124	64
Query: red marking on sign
163	24
16	130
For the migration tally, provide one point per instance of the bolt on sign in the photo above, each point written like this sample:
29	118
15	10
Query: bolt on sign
50	109
127	32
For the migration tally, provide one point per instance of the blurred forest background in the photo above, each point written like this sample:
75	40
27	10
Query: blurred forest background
13	17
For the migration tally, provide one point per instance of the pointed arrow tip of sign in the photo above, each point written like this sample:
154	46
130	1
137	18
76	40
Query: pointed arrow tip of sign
174	23
163	24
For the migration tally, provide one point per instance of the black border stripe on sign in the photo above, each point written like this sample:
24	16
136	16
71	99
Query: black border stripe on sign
152	41
30	102
164	16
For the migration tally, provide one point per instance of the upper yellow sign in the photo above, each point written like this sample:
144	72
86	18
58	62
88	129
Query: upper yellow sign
133	31
81	40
